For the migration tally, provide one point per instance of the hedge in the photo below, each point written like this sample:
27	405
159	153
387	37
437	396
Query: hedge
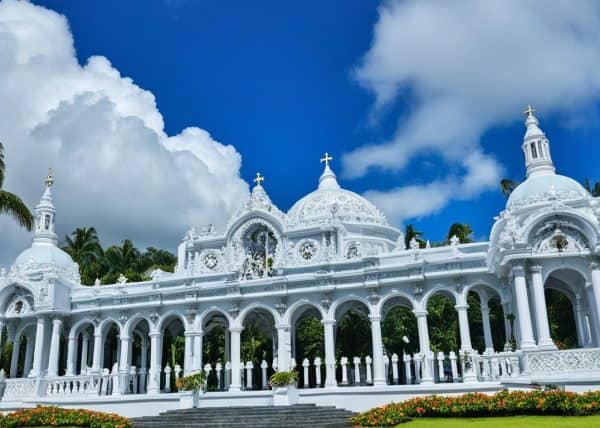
51	416
504	403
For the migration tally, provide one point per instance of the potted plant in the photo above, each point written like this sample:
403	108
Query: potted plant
190	388
284	388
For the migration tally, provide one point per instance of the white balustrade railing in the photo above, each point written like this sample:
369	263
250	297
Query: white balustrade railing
17	389
560	362
65	386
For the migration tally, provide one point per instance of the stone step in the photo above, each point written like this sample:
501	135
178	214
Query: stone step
301	415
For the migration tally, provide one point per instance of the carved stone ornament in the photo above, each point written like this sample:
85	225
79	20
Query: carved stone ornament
234	310
121	279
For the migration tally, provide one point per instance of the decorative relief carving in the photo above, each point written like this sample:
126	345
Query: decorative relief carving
561	362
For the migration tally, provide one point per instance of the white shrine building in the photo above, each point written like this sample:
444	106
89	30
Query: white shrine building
332	252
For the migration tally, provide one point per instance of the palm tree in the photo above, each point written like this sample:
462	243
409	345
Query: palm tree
122	258
507	186
594	190
83	246
462	231
10	203
409	233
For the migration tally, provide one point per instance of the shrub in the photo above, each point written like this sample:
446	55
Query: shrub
51	416
504	403
281	379
192	382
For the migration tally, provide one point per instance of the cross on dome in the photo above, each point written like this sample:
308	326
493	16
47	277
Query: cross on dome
529	111
259	179
326	159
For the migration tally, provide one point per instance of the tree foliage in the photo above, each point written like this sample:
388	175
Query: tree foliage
11	204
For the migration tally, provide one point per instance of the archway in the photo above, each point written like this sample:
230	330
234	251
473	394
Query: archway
486	319
442	320
258	342
173	351
353	340
308	343
400	337
85	349
569	316
111	350
139	355
216	349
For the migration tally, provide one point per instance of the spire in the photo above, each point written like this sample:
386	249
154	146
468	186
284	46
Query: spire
44	216
536	147
327	179
259	179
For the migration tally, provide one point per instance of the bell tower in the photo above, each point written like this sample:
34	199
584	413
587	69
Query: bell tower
45	213
536	147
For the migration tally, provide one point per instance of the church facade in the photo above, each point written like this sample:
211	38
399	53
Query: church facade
102	346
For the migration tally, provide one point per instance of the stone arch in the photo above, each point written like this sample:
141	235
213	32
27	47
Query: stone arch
345	300
301	305
444	290
576	264
257	306
102	325
246	218
211	310
399	297
77	327
7	293
134	321
168	316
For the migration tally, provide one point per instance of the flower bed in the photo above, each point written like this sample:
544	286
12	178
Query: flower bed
504	403
59	417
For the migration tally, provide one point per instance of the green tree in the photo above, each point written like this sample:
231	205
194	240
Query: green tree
310	341
594	190
154	258
10	203
409	233
442	320
507	186
123	259
400	322
84	248
462	231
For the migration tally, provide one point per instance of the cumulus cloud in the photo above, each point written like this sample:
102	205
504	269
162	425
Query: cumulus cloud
463	67
115	167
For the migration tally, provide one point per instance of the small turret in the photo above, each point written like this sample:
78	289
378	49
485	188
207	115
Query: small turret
45	213
536	147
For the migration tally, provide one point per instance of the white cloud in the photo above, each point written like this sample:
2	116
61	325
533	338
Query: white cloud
463	67
115	167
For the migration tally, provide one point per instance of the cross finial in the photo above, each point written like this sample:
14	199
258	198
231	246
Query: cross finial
49	178
259	179
326	159
529	111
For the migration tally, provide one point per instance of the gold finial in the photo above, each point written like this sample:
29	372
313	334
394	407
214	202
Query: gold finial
529	111
326	159
259	179
49	178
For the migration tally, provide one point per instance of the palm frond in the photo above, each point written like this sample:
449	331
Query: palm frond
13	206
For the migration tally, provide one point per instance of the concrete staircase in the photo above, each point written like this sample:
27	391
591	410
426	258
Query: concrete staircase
299	415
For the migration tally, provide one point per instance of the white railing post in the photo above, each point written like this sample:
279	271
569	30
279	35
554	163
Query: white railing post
368	363
356	361
417	364
167	378
177	371
275	364
407	373
386	366
142	386
395	368
218	370
263	370
305	366
249	367
115	380
344	363
227	374
318	372
207	370
133	380
440	361
453	366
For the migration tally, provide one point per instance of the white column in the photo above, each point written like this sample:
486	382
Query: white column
155	369
28	356
144	356
54	348
424	349
507	327
463	326
378	369
580	323
187	354
541	313
523	314
236	378
14	359
2	325
97	363
39	352
487	329
284	348
124	365
71	355
197	353
330	380
85	340
595	273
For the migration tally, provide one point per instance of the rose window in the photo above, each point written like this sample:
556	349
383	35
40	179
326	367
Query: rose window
211	261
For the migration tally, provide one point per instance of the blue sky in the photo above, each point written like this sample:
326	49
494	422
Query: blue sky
284	82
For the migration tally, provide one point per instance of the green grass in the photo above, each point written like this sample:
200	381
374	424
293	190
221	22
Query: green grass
507	422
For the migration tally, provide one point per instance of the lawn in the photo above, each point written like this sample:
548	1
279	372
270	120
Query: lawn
506	422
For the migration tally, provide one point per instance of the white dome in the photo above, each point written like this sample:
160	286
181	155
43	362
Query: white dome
45	254
545	187
331	200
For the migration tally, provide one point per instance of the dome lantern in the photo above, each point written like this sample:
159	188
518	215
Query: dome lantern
536	147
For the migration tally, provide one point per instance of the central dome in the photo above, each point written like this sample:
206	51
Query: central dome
330	200
540	188
45	255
